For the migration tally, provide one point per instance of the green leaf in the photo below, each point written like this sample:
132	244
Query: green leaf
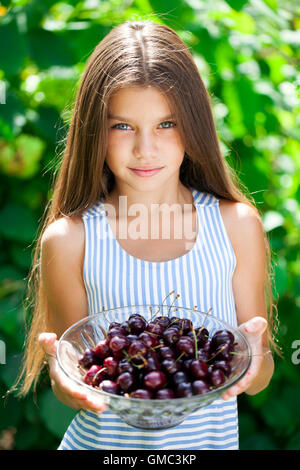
17	222
237	4
22	157
12	57
48	49
55	415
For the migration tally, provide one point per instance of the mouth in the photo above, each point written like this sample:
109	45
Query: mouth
146	171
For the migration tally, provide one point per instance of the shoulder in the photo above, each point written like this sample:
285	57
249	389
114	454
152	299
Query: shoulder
63	230
243	223
64	236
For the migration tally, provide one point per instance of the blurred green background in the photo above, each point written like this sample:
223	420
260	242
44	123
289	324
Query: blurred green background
248	55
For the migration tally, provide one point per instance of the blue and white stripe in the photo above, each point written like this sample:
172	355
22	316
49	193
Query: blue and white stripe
203	278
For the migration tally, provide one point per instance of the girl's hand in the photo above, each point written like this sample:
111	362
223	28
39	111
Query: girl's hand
253	330
63	388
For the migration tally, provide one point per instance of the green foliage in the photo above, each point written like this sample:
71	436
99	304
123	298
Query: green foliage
248	54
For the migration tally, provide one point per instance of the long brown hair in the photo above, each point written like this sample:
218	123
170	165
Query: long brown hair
139	53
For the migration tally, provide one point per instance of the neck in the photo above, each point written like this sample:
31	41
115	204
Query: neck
148	201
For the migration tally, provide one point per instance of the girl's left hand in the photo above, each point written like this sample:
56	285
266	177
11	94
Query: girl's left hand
253	330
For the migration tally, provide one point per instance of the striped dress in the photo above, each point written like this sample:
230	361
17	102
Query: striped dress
203	278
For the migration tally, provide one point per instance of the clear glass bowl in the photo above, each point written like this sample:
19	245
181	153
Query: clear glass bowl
141	413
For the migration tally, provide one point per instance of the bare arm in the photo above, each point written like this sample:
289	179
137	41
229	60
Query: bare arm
62	254
245	230
61	273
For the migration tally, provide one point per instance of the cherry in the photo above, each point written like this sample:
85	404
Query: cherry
137	324
171	366
165	394
110	387
88	358
111	365
102	348
186	345
224	366
155	327
137	350
221	337
155	380
142	393
224	352
217	377
199	387
171	336
166	352
184	389
90	374
164	321
150	339
179	377
99	377
152	361
118	343
116	331
125	381
198	368
125	366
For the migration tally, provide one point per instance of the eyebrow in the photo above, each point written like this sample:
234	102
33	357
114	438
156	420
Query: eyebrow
120	118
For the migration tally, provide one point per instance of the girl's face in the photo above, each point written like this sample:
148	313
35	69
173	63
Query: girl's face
142	134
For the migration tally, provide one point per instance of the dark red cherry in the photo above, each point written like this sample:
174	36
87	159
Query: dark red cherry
88	359
179	377
142	393
184	389
166	352
137	324
137	350
99	377
186	345
199	387
165	394
155	380
110	386
198	368
90	374
126	381
150	339
171	366
125	366
171	336
224	352
116	331
118	343
152	361
154	327
102	348
111	365
221	337
224	366
217	377
164	321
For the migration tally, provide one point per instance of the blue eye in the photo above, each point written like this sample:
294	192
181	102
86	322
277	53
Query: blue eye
121	124
168	122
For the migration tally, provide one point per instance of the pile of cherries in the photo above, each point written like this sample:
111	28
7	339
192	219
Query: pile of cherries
161	358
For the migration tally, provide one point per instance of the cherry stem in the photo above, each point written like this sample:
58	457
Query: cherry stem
196	344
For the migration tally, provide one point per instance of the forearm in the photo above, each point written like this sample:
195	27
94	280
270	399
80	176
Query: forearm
263	377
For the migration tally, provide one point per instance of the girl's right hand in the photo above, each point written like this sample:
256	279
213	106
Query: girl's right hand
63	388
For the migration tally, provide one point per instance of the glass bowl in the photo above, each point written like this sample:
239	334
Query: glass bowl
147	413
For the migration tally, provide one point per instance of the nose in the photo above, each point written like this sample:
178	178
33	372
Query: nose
145	145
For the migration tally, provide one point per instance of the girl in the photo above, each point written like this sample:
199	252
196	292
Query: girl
142	131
